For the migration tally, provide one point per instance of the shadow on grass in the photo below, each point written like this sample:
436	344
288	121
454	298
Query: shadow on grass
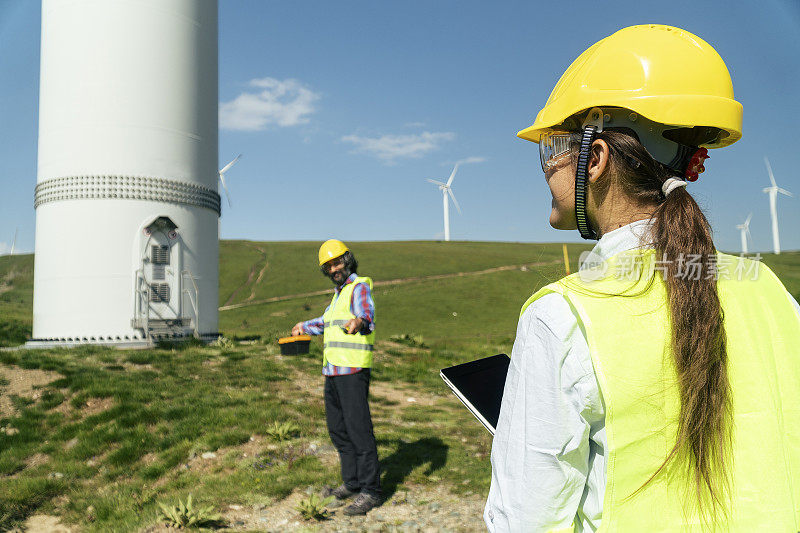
408	456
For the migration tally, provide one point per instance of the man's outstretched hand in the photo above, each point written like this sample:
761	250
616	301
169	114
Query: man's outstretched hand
297	329
353	325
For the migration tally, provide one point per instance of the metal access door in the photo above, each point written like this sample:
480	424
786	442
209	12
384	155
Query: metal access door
164	293
162	276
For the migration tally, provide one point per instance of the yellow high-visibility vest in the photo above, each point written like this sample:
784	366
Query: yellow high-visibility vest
627	327
340	348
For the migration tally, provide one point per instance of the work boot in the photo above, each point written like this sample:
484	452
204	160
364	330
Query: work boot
341	492
361	505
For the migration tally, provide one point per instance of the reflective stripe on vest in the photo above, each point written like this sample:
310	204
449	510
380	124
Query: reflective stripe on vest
350	345
627	328
340	348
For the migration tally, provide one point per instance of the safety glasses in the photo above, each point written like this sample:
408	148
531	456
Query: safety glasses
326	268
553	147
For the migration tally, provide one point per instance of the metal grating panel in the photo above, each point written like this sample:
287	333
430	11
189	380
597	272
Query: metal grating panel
159	272
159	292
160	254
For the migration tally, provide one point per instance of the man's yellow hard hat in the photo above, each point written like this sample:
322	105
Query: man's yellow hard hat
663	73
331	249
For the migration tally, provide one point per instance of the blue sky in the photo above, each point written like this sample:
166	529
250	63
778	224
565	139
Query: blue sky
356	103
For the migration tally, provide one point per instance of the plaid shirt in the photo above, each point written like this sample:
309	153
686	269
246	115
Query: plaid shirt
362	306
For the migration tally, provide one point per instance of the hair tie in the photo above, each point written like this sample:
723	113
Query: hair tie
671	184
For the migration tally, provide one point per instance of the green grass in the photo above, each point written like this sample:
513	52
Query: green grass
787	267
16	299
123	459
166	406
420	307
290	268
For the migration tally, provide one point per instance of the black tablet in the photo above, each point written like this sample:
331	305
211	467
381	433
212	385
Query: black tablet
479	385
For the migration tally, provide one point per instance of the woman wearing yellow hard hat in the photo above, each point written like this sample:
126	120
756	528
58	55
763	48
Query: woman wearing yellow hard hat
657	390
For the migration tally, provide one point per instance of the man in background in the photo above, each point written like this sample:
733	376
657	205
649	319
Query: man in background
348	326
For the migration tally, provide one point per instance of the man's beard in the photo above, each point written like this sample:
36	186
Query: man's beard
339	277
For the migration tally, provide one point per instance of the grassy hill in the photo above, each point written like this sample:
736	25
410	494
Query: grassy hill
444	309
451	310
254	271
16	299
82	438
99	437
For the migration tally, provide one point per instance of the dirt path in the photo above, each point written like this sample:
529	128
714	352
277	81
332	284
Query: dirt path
429	509
5	283
260	274
250	277
385	283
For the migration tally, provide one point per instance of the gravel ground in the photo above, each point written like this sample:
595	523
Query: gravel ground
420	509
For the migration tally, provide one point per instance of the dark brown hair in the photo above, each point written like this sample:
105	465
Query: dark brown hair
680	229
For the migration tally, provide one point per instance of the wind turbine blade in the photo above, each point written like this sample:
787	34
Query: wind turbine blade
455	202
784	191
435	182
747	230
747	221
227	194
453	175
769	170
14	242
224	169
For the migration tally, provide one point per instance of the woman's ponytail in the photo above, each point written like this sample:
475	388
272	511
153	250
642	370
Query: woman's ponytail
681	236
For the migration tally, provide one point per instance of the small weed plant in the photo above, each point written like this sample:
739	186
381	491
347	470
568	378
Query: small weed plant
186	515
224	343
281	431
313	507
409	339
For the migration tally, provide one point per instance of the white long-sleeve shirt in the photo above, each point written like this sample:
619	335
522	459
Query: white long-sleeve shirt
548	454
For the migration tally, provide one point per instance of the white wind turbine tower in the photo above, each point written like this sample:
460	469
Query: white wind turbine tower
745	232
445	188
773	210
222	172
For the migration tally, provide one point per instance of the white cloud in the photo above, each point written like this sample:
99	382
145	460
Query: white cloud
278	102
391	147
473	159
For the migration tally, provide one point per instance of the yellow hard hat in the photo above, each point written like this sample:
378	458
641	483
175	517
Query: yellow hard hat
663	73
331	249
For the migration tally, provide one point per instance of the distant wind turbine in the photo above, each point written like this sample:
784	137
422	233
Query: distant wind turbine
446	189
222	172
14	242
745	232
773	209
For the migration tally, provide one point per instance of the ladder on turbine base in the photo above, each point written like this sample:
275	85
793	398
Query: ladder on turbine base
161	330
156	329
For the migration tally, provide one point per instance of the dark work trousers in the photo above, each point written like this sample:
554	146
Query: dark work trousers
350	428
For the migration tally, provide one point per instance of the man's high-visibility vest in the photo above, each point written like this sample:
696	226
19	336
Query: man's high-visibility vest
627	328
340	348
